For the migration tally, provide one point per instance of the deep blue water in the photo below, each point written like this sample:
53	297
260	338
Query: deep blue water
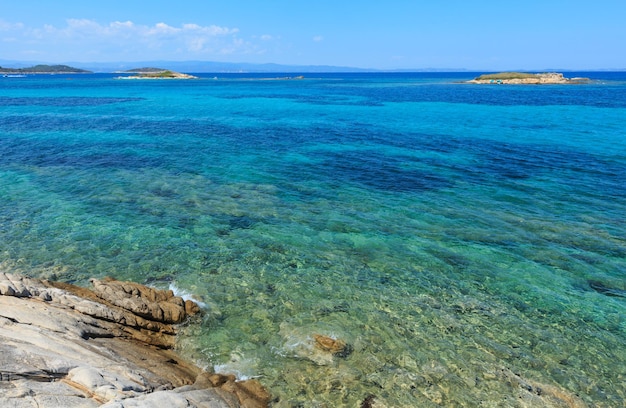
468	242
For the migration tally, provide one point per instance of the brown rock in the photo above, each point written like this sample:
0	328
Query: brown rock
149	303
217	380
329	344
191	308
250	393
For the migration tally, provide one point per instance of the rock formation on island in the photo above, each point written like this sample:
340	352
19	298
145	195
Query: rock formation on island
155	73
526	78
112	346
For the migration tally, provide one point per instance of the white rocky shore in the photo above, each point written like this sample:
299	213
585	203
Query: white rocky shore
112	346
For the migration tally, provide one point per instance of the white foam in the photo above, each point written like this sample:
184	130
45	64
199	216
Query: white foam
227	369
186	295
239	366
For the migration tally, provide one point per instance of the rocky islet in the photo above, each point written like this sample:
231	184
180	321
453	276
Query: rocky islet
524	78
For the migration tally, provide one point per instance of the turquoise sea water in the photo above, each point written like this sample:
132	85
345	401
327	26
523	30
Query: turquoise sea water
467	242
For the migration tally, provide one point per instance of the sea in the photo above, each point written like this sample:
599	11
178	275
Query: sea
462	245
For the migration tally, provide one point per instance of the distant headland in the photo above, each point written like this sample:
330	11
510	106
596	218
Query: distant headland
526	78
44	69
155	73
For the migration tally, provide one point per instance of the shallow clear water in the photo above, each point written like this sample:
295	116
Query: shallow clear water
458	237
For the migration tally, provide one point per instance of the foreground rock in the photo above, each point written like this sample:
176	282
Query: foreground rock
67	346
526	79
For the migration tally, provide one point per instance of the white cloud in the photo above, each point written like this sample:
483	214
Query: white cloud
10	29
124	24
82	24
125	38
6	26
159	29
318	38
196	44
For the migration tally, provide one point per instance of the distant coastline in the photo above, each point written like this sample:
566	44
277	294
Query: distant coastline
196	66
44	69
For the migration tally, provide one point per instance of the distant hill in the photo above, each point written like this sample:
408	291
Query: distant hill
146	70
215	67
44	69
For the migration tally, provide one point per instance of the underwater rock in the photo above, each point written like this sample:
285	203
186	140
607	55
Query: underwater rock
606	290
318	348
368	402
337	347
534	393
328	343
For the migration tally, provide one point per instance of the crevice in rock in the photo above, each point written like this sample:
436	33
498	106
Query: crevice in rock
11	319
39	376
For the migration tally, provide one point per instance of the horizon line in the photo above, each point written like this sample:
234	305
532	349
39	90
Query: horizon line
249	67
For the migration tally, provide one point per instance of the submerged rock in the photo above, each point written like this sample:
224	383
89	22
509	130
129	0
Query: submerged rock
606	289
336	347
318	348
67	346
328	343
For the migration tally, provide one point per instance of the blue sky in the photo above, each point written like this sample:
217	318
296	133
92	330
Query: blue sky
394	34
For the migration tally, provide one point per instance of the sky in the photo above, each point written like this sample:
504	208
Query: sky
391	34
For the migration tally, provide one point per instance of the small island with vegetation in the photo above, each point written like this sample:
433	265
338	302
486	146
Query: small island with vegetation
155	73
526	78
43	69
